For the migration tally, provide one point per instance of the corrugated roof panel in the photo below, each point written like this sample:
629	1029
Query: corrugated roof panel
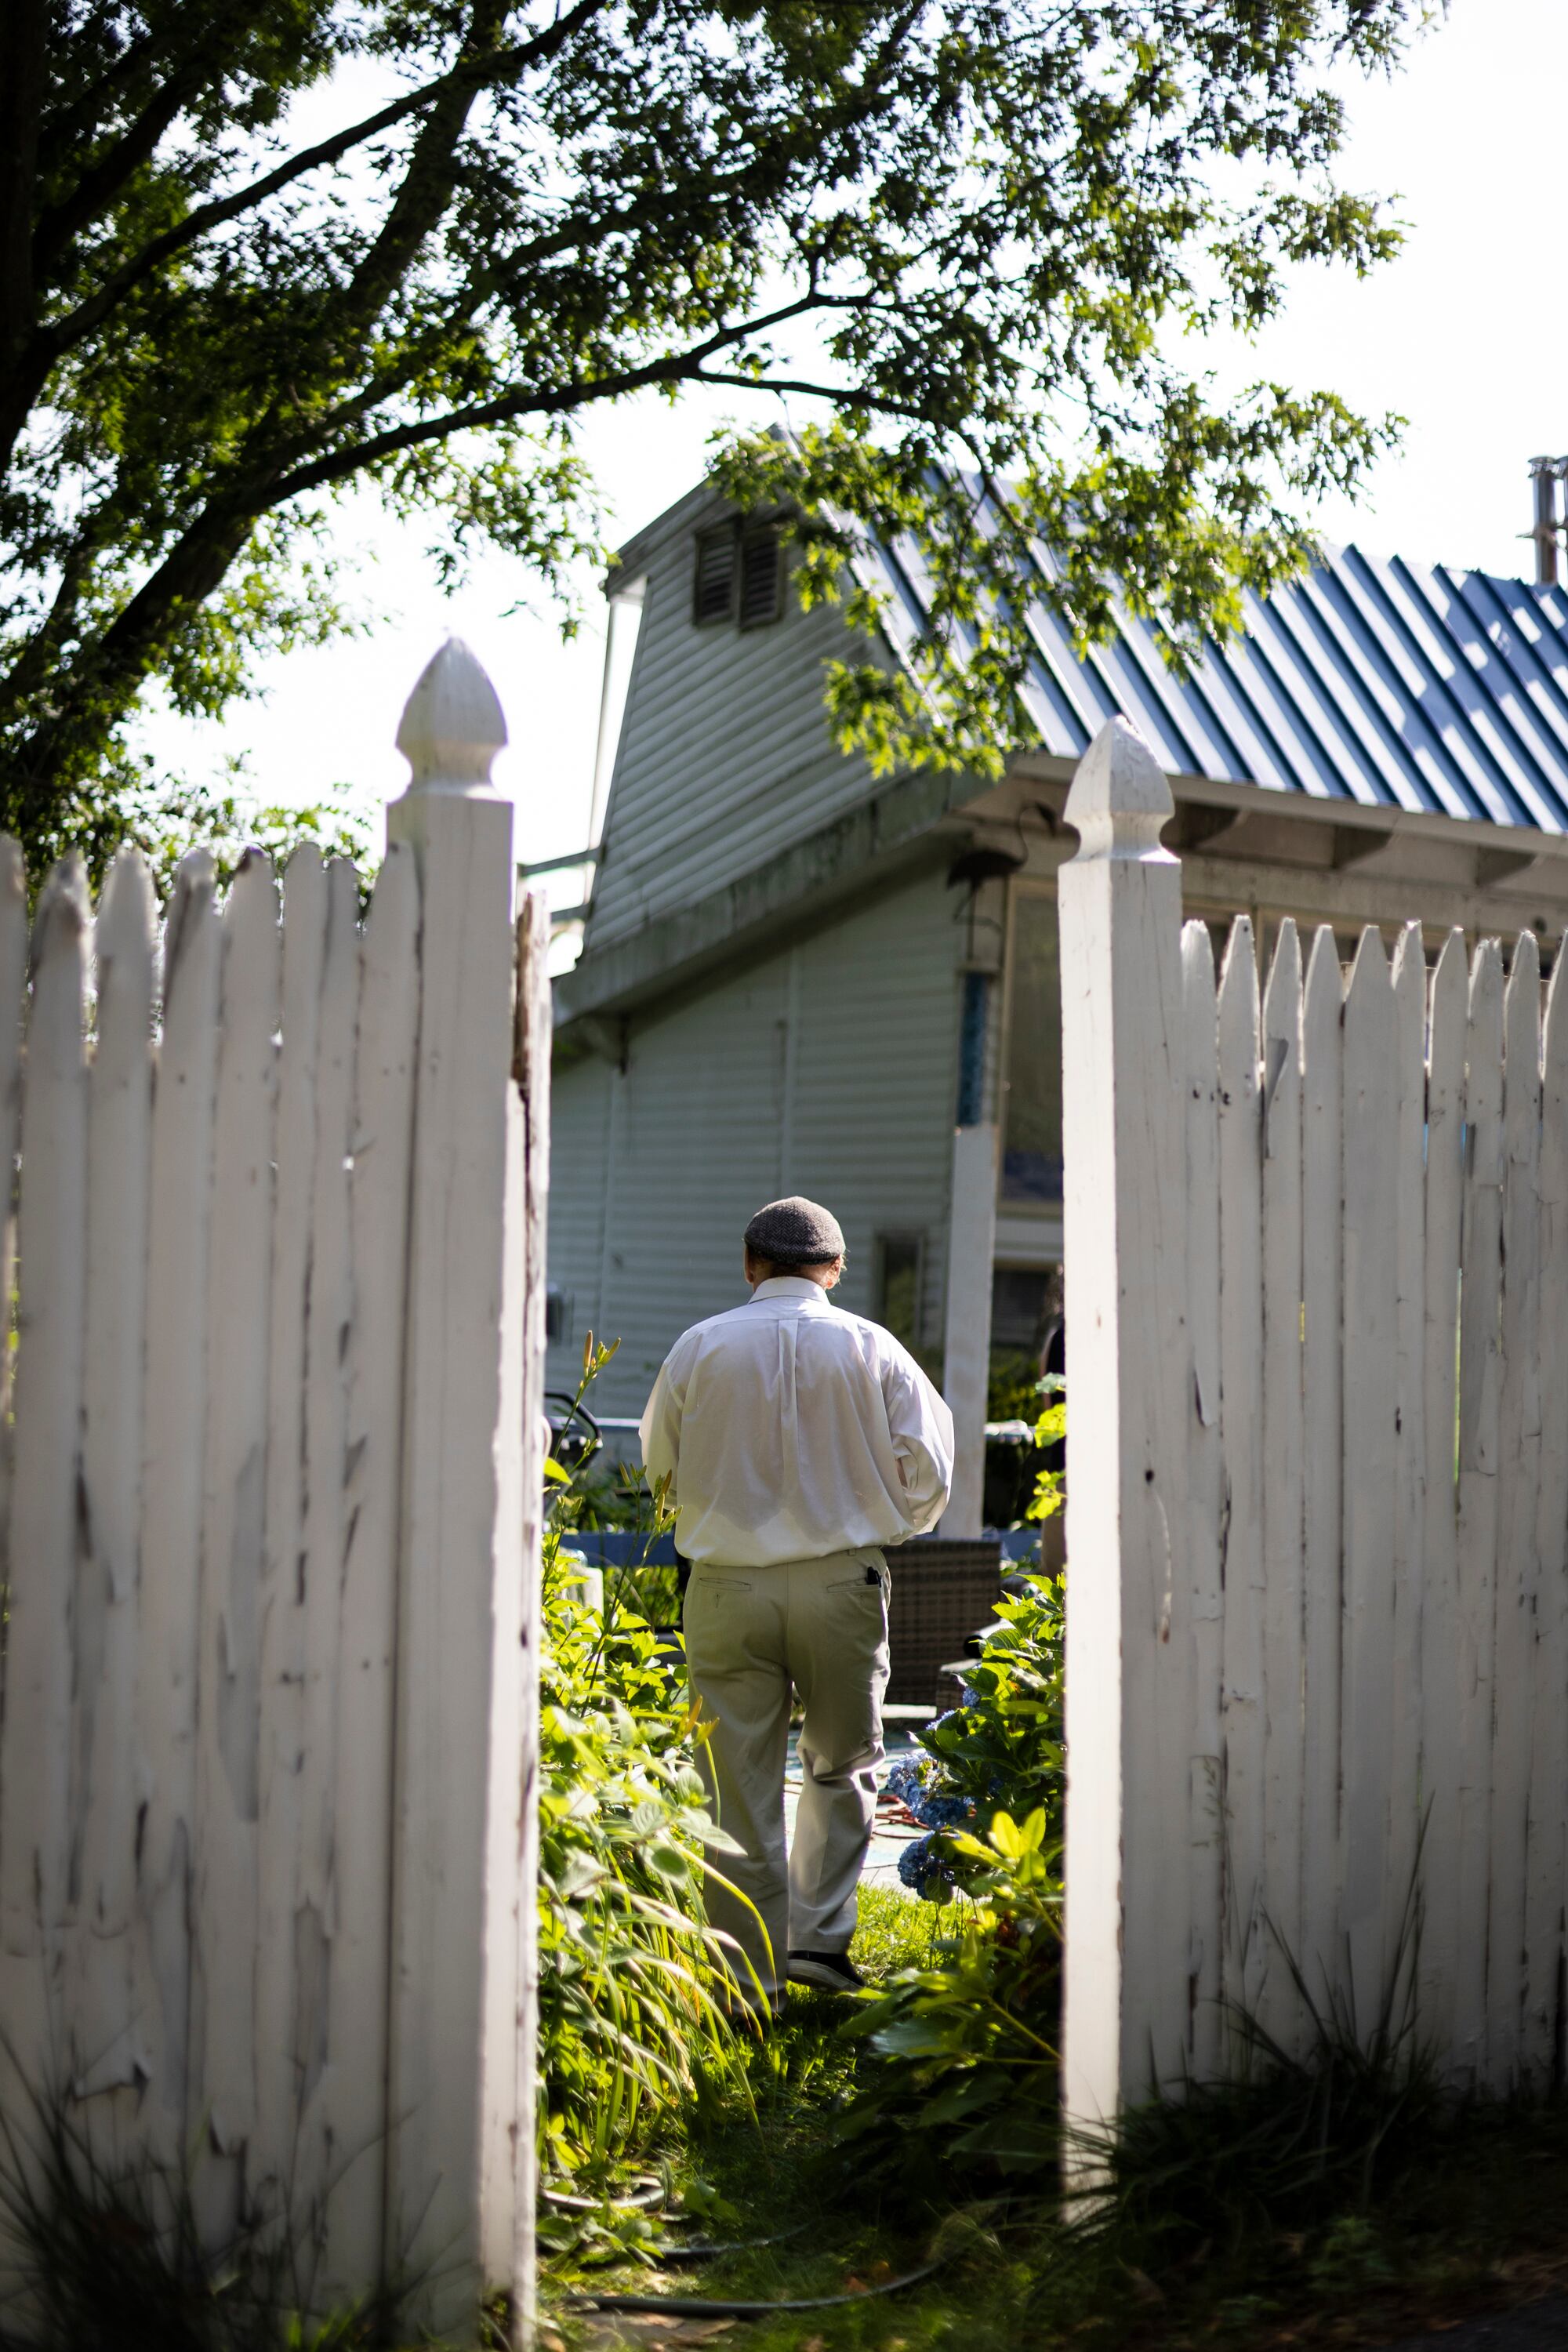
1390	684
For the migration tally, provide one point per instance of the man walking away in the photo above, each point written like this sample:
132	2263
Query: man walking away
800	1443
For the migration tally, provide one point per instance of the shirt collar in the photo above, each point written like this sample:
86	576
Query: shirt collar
791	1286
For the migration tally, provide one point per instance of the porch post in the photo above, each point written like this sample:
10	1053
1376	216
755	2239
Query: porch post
971	1216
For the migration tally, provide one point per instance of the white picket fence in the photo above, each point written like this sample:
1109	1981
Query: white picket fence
272	1527
1317	1270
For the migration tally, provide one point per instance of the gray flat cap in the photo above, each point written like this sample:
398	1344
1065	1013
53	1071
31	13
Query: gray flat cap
795	1233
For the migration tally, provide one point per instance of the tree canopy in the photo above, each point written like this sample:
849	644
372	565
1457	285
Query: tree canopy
252	255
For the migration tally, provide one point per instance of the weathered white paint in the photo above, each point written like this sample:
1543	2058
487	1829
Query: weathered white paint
1519	1481
222	2099
460	1564
13	985
1370	1408
1206	1501
34	1751
360	1977
105	2040
1241	1389
1480	1382
1322	1250
966	1355
1283	1488
179	1224
1130	1686
1545	1882
1442	1926
281	1618
1400	1883
280	1482
1375	1547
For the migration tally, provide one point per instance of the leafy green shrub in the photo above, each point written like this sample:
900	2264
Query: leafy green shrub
968	2042
630	1975
1002	1747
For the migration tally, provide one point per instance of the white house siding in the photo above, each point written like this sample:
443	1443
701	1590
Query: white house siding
725	757
829	1069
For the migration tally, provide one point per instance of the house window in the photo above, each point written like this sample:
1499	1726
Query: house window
558	1317
1032	1144
738	577
900	1264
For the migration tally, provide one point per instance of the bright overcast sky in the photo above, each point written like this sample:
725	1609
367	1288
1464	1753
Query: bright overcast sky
1464	335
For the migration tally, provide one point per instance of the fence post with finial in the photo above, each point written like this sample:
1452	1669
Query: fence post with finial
463	1754
1128	1666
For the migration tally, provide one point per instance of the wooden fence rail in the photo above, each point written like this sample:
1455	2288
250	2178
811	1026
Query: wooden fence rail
1317	1287
270	1540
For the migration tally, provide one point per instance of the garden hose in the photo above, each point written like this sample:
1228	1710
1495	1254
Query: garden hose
697	2306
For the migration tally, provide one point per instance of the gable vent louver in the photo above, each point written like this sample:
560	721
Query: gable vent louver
759	579
714	596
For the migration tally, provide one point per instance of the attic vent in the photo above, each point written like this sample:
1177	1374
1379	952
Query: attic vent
714	594
760	571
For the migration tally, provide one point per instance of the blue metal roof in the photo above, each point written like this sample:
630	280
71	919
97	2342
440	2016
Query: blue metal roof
1388	683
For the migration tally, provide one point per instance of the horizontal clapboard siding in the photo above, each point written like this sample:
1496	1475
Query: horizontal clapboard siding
725	757
829	1069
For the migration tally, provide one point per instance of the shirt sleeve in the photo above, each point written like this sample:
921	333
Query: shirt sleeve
922	1429
659	1428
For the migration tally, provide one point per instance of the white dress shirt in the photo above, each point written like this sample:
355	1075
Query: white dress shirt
792	1430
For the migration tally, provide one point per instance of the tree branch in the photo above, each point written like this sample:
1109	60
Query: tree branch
472	76
23	29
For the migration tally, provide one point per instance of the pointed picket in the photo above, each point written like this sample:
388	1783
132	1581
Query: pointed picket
1519	1486
1441	1923
1241	1385
281	1627
1480	1381
1283	1488
106	2044
1370	1407
1545	1887
179	1224
1323	1121
233	1512
321	1558
354	2092
1205	1497
1400	1886
35	1758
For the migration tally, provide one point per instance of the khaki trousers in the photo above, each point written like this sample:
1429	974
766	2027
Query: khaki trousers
821	1624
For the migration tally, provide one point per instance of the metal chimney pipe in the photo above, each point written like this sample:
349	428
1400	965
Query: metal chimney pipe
1545	473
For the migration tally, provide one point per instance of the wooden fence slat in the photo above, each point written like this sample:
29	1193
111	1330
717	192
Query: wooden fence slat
1519	1482
280	1616
1241	1385
179	1222
105	2048
326	1448
13	998
34	1760
1545	1887
1479	1397
1283	1488
1400	1891
1441	1923
232	1517
1323	1186
1205	1496
531	1072
383	1135
1370	1142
